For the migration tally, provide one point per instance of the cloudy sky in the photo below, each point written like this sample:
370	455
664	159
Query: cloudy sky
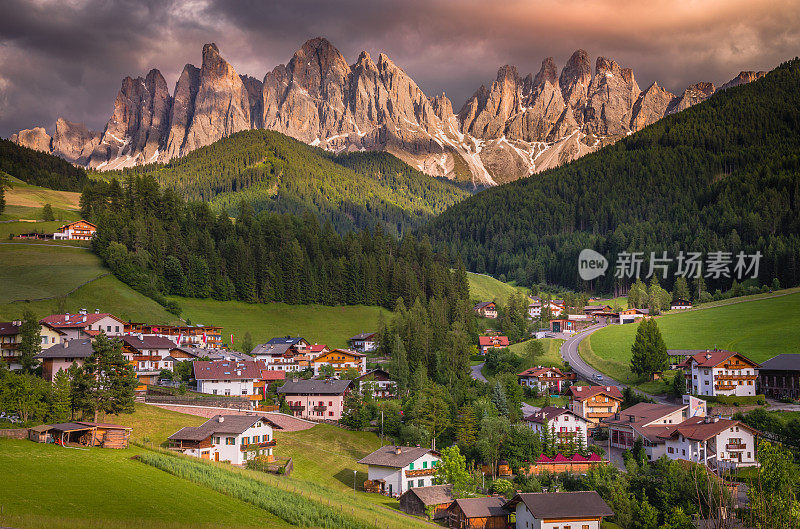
68	57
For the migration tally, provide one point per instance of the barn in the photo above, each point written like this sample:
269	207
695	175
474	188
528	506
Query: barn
478	513
416	501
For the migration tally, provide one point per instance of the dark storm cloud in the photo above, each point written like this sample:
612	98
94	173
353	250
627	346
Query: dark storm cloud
67	58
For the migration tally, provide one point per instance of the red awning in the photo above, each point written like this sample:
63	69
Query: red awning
544	459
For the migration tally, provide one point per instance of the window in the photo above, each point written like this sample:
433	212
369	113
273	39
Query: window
116	329
330	414
227	392
230	440
108	328
245	440
244	391
330	403
424	464
421	483
411	466
213	391
216	440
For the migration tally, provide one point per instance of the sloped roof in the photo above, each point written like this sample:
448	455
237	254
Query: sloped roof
483	304
76	320
783	362
377	373
713	358
500	341
315	387
272	374
697	429
585	392
291	340
433	495
149	342
643	413
363	336
387	456
7	328
226	370
68	349
539	371
560	505
549	413
275	349
481	507
235	424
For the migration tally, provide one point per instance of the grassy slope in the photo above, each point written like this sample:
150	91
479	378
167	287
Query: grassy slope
316	323
760	329
62	488
552	354
486	288
24	194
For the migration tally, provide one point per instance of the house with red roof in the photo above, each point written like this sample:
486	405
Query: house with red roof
595	402
714	372
492	342
85	324
563	423
229	377
718	443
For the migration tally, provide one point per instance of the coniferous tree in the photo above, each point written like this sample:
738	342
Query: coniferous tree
47	213
649	353
30	341
61	401
681	290
110	380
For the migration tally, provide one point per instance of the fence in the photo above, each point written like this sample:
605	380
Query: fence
14	433
234	403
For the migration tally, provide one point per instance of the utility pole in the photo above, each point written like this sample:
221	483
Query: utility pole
381	427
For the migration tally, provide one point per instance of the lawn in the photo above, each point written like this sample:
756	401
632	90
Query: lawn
152	425
35	197
552	354
760	329
486	288
316	323
55	487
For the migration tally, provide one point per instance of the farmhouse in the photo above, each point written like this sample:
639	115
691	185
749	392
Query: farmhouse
316	399
645	421
378	383
63	355
593	309
399	468
341	360
80	230
545	379
565	424
314	350
720	373
232	438
535	309
418	500
10	339
224	377
550	510
779	377
632	315
680	304
717	443
492	342
595	402
478	513
486	309
364	342
85	324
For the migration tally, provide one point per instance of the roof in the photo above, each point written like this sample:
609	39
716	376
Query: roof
501	341
432	495
585	392
149	342
387	456
105	425
681	301
318	347
643	413
539	371
703	428
378	373
76	222
595	307
226	370
481	507
315	387
68	349
76	320
363	336
355	354
270	349
272	374
230	424
7	328
290	340
709	358
70	426
483	304
549	413
559	505
783	362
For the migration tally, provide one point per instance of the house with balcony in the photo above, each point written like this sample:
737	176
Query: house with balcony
551	510
486	309
566	425
316	399
208	337
364	342
290	355
646	421
148	355
229	378
680	304
232	438
399	468
62	355
492	342
377	383
85	324
720	444
779	377
545	379
715	373
535	309
341	360
595	403
80	230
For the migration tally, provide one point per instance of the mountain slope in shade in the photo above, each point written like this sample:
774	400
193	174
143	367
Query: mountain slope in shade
516	127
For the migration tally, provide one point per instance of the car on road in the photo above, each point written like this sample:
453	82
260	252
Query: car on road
599	377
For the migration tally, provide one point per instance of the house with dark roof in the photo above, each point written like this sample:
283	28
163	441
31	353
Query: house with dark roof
364	342
566	425
717	372
545	510
378	383
229	377
720	444
232	438
478	513
545	379
680	304
286	354
147	354
595	403
646	421
341	360
61	356
9	342
779	377
399	468
486	309
417	501
316	399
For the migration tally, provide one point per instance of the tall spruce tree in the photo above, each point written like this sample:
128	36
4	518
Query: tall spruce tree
30	341
61	397
648	353
110	379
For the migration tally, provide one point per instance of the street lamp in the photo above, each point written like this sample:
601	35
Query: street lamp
354	480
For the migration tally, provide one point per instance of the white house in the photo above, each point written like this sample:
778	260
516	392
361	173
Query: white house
632	315
645	421
564	423
544	379
85	324
364	342
224	377
557	510
80	230
720	373
399	468
378	383
680	304
535	310
232	438
718	443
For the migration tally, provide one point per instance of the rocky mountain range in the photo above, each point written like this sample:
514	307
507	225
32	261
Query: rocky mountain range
516	127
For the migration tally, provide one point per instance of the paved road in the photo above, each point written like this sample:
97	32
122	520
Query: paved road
569	352
476	372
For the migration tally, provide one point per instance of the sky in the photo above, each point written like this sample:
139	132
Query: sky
67	58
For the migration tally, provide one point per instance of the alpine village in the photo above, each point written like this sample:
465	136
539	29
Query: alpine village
317	297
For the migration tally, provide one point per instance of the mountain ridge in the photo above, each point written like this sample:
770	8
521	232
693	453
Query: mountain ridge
516	127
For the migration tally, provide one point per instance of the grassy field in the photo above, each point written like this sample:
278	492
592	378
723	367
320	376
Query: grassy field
486	288
760	329
552	356
316	323
56	487
27	195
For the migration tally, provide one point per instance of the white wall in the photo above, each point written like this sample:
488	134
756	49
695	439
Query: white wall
525	520
232	452
235	387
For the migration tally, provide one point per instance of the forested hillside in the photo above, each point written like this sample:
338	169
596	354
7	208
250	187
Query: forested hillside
723	175
276	173
159	244
40	169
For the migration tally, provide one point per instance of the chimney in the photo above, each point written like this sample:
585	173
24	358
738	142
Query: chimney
97	311
608	388
82	311
66	343
221	418
397	450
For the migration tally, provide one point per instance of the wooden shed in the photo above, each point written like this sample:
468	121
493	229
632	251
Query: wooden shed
39	434
478	513
109	435
82	433
418	500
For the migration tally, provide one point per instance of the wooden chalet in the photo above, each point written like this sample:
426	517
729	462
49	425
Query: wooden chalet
478	513
680	304
80	230
576	464
486	309
416	501
205	336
